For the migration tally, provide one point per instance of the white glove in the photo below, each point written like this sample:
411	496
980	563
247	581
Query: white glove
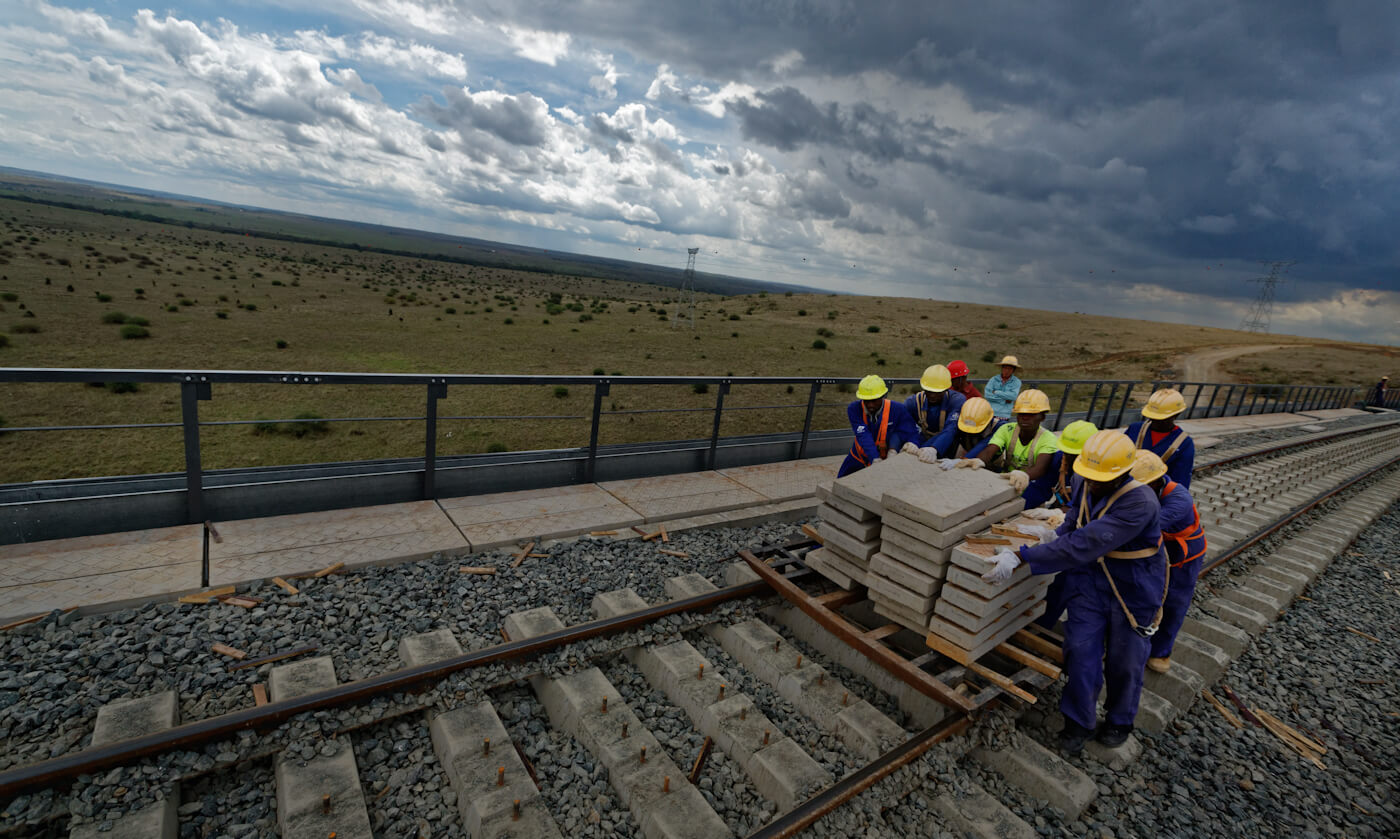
928	454
1006	563
1019	480
970	463
1039	531
1056	519
1039	514
909	448
948	464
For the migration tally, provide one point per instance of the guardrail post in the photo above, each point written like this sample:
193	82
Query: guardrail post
1254	403
192	392
1244	394
807	422
436	391
714	435
600	389
1093	400
1124	407
1108	405
1192	413
1060	414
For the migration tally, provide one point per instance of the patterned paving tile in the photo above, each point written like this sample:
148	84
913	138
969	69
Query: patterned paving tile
280	533
97	589
62	559
489	535
509	506
304	558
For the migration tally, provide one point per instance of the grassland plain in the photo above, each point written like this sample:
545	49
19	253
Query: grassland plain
78	289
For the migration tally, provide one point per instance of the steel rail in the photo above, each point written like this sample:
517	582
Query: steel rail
808	812
1350	432
1293	513
55	771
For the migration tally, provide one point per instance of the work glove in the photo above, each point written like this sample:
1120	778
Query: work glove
928	454
1056	519
1004	564
909	448
1039	531
1019	480
948	464
1039	514
970	463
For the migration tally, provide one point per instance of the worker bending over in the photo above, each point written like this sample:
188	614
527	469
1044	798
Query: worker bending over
1110	552
935	409
1185	540
880	426
976	425
958	370
1160	434
1002	390
1025	448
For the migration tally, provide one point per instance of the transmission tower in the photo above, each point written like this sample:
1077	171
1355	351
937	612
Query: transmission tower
1263	311
687	289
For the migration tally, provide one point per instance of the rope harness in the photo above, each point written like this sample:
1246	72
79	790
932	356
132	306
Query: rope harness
1171	450
1141	553
1008	457
921	400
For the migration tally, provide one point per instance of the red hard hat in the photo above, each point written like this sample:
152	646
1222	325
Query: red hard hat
957	368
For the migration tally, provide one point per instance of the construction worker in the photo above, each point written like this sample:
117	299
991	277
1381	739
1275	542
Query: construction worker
1185	540
935	409
1109	550
880	425
976	425
1002	390
1072	441
1026	449
1160	434
958	370
1378	392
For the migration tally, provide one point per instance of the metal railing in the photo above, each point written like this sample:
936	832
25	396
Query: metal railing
1107	402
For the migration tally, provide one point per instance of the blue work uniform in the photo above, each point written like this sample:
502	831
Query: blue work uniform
1042	489
938	424
1100	641
1066	485
1177	450
983	441
1002	395
1185	541
890	430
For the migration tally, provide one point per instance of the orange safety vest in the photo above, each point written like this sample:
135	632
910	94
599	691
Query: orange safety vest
1187	534
881	433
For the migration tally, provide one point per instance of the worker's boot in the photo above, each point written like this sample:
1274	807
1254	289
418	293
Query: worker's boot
1113	735
1073	737
1159	665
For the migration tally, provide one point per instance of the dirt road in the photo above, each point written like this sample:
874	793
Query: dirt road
1204	365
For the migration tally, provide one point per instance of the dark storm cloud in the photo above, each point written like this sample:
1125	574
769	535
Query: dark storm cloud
520	120
786	119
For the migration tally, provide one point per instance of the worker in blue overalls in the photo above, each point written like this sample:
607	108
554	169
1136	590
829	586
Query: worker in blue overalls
1160	434
1110	553
976	425
935	408
1072	441
1185	540
880	426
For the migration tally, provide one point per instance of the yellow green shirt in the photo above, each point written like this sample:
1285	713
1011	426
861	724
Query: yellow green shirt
1019	456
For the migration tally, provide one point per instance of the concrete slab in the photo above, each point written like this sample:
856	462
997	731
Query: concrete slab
854	511
913	580
977	624
974	813
428	647
951	536
970	580
1180	685
816	559
129	718
840	561
301	787
1265	604
867	488
914	621
896	593
1041	774
1203	657
949	498
1250	620
980	606
930	557
860	550
288	681
918	563
671	496
989	637
158	821
1154	713
783	481
863	531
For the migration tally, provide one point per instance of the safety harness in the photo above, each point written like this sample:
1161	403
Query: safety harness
921	400
1184	536
1062	488
1008	457
1141	553
881	433
1171	450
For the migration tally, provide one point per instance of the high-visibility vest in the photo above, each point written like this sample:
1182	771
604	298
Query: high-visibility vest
1182	538
921	400
882	430
1180	438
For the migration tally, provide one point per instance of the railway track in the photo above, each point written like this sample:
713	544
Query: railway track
718	711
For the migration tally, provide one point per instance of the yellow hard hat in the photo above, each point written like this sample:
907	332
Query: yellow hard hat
1163	404
1105	456
871	387
1031	402
1073	437
1010	359
1147	466
936	379
976	415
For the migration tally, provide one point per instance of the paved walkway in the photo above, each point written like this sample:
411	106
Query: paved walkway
106	572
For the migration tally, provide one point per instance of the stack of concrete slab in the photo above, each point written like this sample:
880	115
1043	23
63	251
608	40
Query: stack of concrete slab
850	512
972	617
921	522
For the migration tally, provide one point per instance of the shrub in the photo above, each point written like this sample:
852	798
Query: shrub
123	387
138	320
25	329
281	345
4	341
132	332
733	335
872	328
508	321
826	333
104	298
918	352
560	392
597	371
114	317
222	314
252	307
802	313
585	317
831	316
8	296
1001	326
819	344
700	387
879	362
734	317
185	301
172	308
301	429
497	448
989	356
450	310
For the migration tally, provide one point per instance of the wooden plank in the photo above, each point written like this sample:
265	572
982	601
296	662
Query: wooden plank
286	586
1040	645
813	534
1220	706
602	533
254	662
1002	682
681	554
987	540
32	619
893	663
1020	656
231	652
1368	636
520	557
883	631
477	569
240	600
202	597
665	537
259	694
328	570
1048	634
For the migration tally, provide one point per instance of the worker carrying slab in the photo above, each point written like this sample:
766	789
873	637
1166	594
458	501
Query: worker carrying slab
881	426
1160	434
958	370
976	425
1002	390
1109	550
1185	540
1026	449
935	409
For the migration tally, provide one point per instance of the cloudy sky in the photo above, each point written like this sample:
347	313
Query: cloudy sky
1135	158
